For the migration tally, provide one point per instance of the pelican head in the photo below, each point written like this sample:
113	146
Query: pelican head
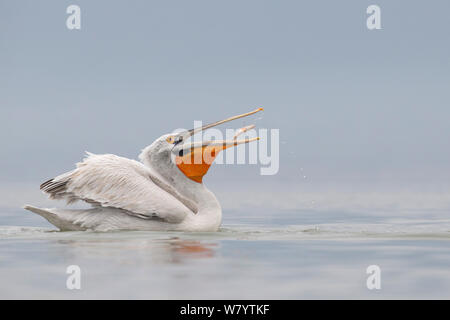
176	151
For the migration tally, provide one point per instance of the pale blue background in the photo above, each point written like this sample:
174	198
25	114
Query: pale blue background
364	124
351	104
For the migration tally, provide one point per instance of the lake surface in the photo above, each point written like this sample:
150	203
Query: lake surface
256	255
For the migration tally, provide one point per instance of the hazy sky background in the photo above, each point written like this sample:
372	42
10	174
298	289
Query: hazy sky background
351	104
364	115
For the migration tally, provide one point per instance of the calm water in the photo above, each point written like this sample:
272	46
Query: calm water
273	255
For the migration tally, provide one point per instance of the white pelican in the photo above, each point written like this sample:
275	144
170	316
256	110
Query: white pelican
162	192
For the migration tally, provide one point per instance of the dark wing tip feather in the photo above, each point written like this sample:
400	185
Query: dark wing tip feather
53	187
46	183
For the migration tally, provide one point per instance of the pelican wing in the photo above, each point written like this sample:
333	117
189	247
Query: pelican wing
111	181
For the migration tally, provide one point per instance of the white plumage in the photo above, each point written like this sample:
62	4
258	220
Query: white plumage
112	181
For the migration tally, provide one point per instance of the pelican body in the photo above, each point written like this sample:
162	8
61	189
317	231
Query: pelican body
164	191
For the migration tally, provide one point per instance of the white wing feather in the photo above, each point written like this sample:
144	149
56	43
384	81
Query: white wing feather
113	181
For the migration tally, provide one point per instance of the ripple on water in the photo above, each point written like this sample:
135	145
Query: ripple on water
244	232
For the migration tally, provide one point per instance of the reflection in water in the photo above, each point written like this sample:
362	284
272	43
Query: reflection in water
176	268
191	248
161	251
290	256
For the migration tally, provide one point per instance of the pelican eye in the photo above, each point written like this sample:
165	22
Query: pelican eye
171	139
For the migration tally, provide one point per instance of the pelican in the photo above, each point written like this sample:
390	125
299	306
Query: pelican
162	192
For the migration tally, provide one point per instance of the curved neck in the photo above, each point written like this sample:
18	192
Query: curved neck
183	188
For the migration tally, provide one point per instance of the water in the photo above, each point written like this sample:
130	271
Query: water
286	254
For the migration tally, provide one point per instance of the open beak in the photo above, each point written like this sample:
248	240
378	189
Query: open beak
194	159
